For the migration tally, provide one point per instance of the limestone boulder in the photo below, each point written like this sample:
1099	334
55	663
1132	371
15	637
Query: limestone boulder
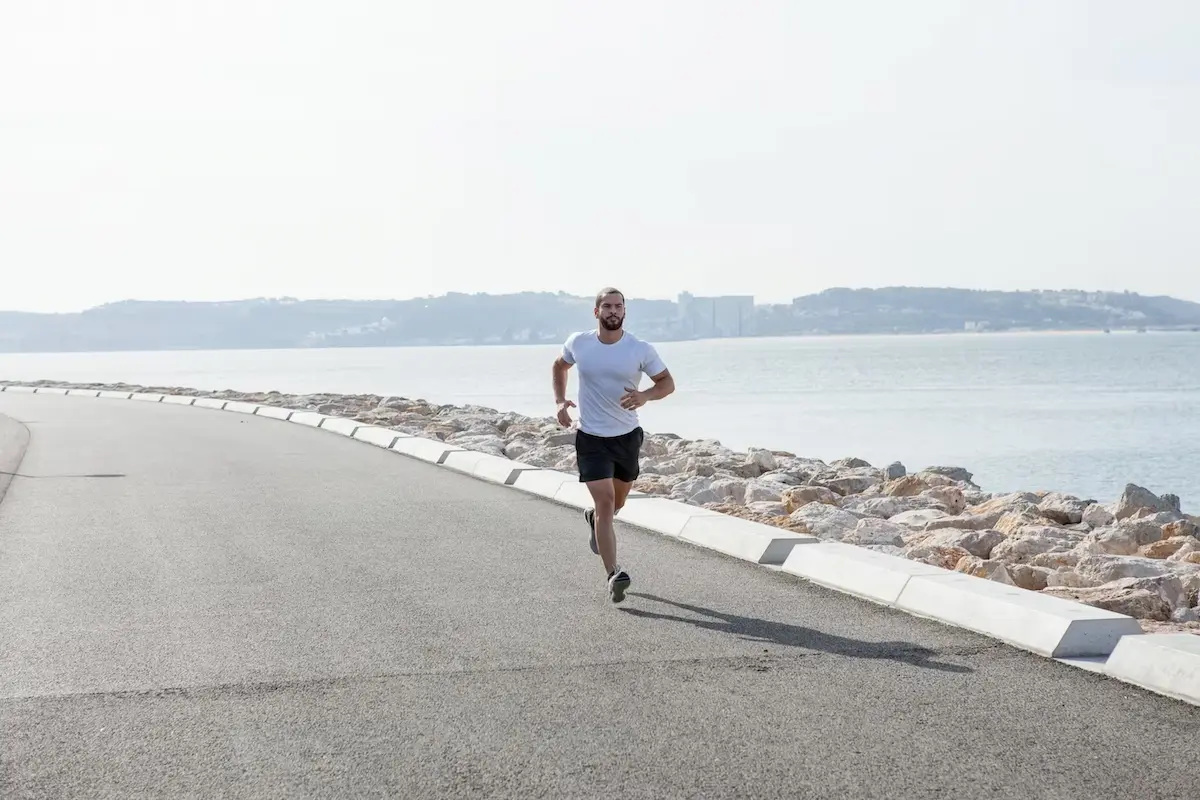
1064	509
1139	603
1029	577
967	522
785	477
955	474
690	487
946	557
1025	543
1126	537
876	532
823	521
1104	568
1165	548
1057	559
1098	516
850	463
1188	552
653	484
759	490
977	543
885	507
1004	503
907	486
1186	615
918	518
1181	528
1015	520
763	459
768	508
950	498
798	497
983	568
1135	498
847	484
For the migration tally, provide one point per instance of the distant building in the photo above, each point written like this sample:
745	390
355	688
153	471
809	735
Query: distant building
710	317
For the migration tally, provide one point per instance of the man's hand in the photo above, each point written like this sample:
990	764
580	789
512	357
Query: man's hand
633	399
564	417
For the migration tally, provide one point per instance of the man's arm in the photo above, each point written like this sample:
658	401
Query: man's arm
560	370
664	384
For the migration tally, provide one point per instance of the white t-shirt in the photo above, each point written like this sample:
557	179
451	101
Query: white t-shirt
606	371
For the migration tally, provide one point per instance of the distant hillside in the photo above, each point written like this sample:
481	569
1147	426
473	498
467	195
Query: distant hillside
913	310
541	317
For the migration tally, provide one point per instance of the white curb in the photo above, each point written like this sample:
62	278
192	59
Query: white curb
855	570
346	427
380	437
1166	663
1043	624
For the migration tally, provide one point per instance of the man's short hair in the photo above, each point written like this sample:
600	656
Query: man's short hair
605	292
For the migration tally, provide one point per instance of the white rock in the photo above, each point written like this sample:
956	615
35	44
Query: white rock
689	487
768	508
1103	568
781	476
1022	546
1186	615
1063	508
977	543
731	489
761	490
1098	516
1124	538
1184	553
824	521
918	518
1135	498
967	522
763	459
879	507
875	531
951	498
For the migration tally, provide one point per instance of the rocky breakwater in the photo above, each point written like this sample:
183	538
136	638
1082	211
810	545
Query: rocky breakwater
1138	555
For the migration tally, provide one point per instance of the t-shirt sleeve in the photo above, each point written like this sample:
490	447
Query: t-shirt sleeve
568	350
652	363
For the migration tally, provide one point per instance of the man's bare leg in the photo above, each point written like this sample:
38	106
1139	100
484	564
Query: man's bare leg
604	499
621	491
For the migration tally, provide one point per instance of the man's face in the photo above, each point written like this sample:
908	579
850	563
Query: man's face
611	312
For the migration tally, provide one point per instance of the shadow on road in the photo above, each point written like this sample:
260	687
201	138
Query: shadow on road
779	633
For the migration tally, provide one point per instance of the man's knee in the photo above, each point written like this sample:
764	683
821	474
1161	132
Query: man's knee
603	496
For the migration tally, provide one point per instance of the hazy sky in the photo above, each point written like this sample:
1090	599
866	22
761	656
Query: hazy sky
161	149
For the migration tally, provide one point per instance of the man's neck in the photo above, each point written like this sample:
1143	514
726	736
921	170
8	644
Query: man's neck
609	337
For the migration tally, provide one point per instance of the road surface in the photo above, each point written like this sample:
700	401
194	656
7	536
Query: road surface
240	607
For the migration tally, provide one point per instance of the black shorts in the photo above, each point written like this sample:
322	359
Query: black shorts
601	457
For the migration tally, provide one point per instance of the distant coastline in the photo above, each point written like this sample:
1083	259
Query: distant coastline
637	331
547	318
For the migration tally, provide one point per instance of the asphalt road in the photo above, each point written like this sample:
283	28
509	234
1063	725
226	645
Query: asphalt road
248	608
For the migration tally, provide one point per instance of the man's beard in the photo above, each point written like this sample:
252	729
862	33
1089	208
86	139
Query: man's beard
612	323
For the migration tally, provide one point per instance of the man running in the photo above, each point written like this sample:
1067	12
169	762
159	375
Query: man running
609	437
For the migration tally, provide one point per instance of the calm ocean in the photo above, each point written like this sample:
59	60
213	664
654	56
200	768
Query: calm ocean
1083	413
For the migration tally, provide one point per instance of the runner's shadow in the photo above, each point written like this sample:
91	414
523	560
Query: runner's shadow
764	631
